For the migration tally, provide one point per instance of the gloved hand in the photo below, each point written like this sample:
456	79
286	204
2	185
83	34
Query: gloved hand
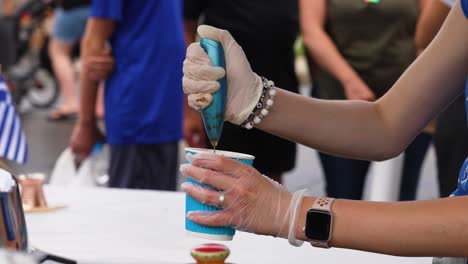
252	202
200	77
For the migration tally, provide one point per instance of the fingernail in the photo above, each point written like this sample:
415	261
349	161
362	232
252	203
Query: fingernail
183	168
191	215
186	185
190	157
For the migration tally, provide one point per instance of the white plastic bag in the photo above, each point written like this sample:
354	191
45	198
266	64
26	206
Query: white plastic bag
64	171
92	172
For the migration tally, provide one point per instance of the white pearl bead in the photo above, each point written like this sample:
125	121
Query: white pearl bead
264	112
272	92
271	83
257	120
249	125
270	102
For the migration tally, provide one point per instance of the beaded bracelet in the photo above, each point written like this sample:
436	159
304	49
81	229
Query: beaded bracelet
262	109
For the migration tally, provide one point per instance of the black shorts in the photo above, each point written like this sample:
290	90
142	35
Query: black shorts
144	166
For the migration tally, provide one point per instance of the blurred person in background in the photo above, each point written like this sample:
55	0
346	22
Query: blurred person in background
266	30
69	25
7	7
360	49
450	136
143	95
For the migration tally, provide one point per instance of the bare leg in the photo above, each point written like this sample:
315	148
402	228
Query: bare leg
63	68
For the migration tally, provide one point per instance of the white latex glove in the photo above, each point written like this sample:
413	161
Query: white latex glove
252	202
200	77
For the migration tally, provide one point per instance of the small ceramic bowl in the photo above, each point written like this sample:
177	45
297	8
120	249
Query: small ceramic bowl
210	253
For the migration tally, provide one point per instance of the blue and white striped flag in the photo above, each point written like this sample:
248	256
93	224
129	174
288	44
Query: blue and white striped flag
13	145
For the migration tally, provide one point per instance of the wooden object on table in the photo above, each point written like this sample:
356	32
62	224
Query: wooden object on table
32	193
47	209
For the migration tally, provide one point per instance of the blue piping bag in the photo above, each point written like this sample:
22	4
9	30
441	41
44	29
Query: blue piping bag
213	115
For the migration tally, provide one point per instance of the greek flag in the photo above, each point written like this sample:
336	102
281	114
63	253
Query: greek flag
13	145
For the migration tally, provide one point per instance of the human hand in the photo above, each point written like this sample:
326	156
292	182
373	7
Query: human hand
252	203
83	138
194	130
358	90
200	77
98	67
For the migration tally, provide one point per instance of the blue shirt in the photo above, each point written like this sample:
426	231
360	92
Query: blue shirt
143	96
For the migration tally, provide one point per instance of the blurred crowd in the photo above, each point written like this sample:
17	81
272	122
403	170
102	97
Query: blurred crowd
130	55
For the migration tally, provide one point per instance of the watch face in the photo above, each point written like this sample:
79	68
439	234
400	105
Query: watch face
318	225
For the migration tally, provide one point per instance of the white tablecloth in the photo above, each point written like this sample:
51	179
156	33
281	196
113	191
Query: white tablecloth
123	226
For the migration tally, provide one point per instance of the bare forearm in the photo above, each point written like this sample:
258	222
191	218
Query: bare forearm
326	55
346	128
97	33
429	23
319	44
383	129
88	86
422	228
88	95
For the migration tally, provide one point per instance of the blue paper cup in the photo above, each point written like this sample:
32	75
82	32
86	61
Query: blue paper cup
214	233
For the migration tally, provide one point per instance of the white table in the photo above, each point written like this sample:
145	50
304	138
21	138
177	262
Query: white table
123	226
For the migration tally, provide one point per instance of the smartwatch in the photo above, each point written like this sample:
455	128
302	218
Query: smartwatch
319	222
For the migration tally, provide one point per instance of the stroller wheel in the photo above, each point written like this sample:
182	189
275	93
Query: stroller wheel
42	91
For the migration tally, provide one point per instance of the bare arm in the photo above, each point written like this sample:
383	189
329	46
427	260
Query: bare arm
421	228
98	31
325	53
429	23
86	133
383	129
423	4
253	203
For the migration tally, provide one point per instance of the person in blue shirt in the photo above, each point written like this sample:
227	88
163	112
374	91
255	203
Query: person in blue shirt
143	97
355	129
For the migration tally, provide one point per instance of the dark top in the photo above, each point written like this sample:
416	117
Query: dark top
70	4
377	40
266	30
